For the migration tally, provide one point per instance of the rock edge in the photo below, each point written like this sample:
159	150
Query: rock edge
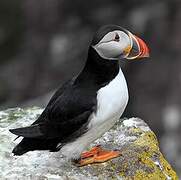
140	155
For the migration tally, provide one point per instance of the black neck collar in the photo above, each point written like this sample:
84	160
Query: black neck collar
98	70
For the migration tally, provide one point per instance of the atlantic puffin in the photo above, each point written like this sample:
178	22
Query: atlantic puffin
89	104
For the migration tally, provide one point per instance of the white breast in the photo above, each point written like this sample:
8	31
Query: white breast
111	100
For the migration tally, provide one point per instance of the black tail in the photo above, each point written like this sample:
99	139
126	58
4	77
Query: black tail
37	137
31	144
19	150
22	147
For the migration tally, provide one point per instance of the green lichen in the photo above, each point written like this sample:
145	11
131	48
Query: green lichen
142	158
150	162
167	168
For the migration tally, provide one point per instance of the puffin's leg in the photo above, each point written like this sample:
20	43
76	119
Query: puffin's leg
97	155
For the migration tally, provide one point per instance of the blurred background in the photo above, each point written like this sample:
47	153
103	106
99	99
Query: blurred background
43	43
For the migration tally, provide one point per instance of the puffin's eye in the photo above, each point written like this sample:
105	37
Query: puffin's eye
116	38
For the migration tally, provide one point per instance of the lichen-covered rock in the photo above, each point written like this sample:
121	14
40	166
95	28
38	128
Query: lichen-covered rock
140	156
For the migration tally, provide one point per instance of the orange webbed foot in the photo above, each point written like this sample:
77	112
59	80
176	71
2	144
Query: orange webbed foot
97	155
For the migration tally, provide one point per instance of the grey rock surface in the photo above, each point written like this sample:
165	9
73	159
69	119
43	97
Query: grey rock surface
140	156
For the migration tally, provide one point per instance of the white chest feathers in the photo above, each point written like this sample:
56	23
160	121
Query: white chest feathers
111	101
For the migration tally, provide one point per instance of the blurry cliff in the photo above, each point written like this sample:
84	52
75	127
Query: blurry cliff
43	43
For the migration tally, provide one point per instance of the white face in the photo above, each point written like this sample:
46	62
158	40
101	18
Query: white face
114	45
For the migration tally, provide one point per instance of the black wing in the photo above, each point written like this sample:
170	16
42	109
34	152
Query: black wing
66	113
52	130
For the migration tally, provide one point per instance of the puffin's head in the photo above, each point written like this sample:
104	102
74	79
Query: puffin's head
113	42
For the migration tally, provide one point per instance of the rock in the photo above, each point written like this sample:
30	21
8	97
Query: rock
140	155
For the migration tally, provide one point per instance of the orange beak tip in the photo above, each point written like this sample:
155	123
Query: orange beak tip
144	50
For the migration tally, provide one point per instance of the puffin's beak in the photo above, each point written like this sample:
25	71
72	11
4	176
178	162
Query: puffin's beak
139	48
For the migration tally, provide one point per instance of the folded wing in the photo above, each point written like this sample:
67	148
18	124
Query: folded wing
50	130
